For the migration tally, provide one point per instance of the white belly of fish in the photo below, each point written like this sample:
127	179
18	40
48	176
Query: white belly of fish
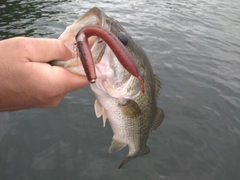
108	108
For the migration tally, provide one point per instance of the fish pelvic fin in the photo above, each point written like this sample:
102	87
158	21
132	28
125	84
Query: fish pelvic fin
158	119
104	117
116	145
143	151
100	111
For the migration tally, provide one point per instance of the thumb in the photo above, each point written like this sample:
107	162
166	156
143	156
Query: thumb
45	50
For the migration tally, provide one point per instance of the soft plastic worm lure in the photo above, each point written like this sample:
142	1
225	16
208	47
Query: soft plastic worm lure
113	42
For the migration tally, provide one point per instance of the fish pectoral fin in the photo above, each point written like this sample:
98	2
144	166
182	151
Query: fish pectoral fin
158	119
130	108
116	145
100	111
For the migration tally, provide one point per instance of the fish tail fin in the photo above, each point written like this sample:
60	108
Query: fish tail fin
124	161
143	151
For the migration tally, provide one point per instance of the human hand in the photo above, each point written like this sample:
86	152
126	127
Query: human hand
27	80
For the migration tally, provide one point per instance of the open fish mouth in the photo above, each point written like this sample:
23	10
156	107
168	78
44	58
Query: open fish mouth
93	17
90	31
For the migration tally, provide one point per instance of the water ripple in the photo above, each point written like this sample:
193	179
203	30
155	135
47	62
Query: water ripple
193	47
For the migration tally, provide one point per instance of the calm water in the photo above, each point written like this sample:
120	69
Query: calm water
194	46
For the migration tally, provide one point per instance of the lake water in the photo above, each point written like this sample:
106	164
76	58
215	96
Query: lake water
193	46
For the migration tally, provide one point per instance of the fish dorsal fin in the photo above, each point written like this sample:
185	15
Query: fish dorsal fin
100	111
158	85
116	145
158	119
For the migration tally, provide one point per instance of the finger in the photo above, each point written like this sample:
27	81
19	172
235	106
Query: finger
68	81
45	50
52	102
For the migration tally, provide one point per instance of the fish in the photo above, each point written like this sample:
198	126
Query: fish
129	104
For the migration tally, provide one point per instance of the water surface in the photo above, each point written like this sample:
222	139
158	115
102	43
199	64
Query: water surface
193	46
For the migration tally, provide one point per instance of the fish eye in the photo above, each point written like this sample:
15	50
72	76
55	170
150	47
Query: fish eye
123	39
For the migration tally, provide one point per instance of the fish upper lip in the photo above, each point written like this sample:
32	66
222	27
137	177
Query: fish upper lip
101	20
93	17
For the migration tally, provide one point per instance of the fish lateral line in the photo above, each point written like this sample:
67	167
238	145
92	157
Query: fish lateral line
120	51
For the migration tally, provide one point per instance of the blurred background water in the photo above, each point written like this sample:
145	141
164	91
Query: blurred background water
193	46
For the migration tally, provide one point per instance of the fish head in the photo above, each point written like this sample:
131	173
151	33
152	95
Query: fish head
112	77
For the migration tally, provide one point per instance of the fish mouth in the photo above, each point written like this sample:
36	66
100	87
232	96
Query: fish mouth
94	16
103	33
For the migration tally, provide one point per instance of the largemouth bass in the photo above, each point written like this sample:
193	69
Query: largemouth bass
131	112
